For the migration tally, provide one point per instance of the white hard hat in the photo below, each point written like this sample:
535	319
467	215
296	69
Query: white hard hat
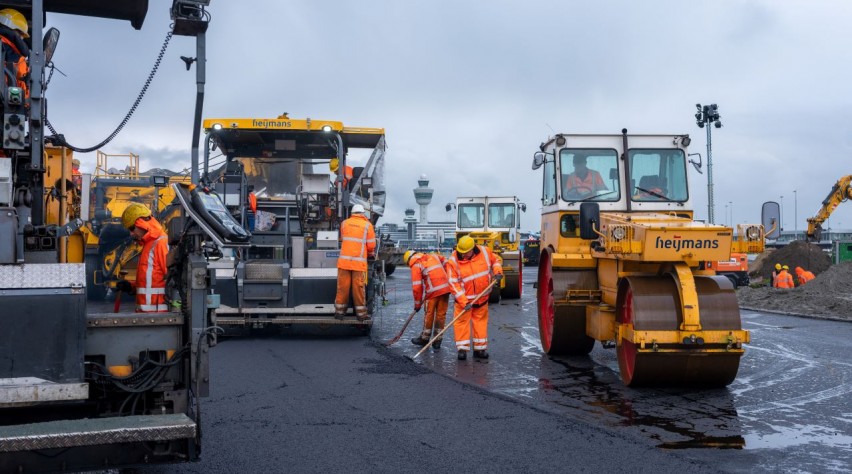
357	209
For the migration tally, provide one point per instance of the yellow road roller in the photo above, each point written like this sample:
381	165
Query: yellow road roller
624	262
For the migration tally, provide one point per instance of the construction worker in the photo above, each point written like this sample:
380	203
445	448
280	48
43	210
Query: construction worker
76	176
775	273
150	285
471	269
252	210
583	182
429	283
13	31
784	279
348	171
358	243
803	275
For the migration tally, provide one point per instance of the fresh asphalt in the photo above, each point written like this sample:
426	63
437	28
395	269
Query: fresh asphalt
348	404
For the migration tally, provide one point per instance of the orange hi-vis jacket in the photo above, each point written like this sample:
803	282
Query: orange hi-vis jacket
22	69
784	280
470	277
428	278
358	240
804	275
151	270
591	183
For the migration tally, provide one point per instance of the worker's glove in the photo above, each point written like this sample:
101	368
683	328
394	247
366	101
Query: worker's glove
417	307
124	286
498	278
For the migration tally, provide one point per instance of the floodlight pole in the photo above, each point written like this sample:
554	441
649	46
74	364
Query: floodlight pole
708	115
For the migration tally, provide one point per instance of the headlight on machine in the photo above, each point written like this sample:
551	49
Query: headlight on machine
753	233
618	233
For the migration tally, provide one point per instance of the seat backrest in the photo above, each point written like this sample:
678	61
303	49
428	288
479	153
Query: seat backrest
649	182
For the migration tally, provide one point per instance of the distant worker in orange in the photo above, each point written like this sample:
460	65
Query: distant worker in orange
775	273
348	171
784	279
150	286
471	269
358	243
76	176
429	283
583	182
803	275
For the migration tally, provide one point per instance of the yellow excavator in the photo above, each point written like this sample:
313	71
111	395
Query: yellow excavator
623	261
841	191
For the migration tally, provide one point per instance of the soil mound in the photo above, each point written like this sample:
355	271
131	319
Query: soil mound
795	254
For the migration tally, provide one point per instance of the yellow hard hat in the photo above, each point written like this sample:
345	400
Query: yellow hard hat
785	267
15	20
406	257
465	244
333	165
133	212
75	162
778	266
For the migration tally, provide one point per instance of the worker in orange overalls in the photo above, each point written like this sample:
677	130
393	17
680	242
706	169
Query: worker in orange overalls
150	286
775	273
803	275
429	283
348	171
13	31
471	269
784	279
358	243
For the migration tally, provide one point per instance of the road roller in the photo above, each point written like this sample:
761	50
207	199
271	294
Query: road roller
623	260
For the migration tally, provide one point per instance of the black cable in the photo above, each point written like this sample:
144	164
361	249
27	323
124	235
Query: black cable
60	139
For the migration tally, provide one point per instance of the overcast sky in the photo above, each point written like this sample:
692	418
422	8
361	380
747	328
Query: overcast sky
467	90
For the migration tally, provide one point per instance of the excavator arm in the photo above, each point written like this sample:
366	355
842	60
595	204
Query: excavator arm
841	191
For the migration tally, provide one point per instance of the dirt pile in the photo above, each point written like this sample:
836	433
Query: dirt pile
828	295
795	254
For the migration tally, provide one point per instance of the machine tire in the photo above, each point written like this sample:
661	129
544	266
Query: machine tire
389	268
563	335
494	296
733	279
514	284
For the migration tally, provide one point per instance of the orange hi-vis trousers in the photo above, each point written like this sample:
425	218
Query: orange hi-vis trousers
436	313
356	282
461	328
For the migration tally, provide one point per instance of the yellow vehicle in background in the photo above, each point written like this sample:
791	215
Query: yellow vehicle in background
623	261
494	221
110	253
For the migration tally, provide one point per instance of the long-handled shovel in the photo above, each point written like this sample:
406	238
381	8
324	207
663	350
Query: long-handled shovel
450	324
404	326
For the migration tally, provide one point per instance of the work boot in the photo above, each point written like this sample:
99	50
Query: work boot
483	354
339	316
419	341
436	346
462	355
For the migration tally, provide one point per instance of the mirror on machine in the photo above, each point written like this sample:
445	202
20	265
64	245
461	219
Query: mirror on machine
590	218
513	235
538	159
51	39
771	218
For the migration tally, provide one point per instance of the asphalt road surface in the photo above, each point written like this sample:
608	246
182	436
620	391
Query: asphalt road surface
334	404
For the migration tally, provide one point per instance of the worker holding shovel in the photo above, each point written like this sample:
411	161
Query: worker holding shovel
429	284
472	269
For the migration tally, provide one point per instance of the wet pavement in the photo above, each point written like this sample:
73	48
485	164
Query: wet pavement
788	410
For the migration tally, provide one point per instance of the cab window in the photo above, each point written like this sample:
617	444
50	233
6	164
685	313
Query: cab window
471	216
658	175
589	174
501	215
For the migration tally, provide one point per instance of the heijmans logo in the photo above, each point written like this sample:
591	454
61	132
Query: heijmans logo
677	243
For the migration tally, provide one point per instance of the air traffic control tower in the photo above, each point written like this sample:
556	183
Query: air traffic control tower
423	196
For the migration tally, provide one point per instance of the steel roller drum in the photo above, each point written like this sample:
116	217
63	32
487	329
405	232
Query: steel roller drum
653	304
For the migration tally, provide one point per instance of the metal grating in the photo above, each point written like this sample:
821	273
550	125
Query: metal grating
264	271
92	432
43	275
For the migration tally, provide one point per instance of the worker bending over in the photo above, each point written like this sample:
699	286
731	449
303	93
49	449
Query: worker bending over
471	269
150	286
358	242
429	283
803	275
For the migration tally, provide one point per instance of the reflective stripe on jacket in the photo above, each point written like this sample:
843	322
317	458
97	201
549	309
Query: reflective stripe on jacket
784	280
470	277
358	241
428	278
591	183
151	270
